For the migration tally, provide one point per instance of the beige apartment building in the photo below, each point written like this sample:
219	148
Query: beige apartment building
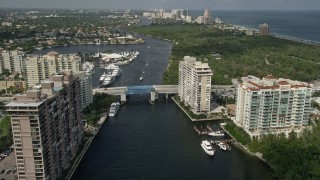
271	105
264	29
11	60
38	68
194	86
47	127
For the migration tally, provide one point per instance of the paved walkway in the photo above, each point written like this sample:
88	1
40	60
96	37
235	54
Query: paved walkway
8	162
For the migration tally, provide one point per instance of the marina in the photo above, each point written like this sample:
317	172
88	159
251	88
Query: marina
107	78
119	150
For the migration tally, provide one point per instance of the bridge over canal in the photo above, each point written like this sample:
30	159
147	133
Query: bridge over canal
153	90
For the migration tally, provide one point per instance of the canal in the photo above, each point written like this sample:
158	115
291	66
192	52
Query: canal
156	141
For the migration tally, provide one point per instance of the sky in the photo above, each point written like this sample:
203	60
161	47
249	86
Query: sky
167	4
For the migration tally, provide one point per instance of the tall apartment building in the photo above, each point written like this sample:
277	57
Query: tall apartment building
11	60
47	127
264	29
86	89
38	68
180	13
271	105
195	84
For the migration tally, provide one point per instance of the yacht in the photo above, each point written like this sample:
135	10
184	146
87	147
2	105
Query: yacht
141	78
116	72
112	66
206	146
223	124
222	146
216	133
109	79
114	109
102	77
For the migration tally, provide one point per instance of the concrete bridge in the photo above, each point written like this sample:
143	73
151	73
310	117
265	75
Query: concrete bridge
154	90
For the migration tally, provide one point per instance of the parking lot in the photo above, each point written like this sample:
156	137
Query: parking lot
8	167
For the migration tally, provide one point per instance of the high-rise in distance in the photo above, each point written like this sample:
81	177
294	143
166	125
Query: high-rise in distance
264	29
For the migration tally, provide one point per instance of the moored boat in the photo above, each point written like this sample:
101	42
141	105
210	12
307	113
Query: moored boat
114	109
102	77
222	146
109	79
216	133
206	146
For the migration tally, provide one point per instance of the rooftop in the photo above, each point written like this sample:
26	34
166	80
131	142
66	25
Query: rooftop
270	82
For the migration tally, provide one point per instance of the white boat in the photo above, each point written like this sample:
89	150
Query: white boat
206	146
109	79
112	66
114	108
222	146
216	133
102	77
223	124
116	72
141	78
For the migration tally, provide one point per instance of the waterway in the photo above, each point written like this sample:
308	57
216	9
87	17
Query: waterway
156	141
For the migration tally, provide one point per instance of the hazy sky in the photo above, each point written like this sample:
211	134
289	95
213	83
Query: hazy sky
166	4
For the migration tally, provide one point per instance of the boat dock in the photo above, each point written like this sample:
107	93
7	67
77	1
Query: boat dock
225	142
199	131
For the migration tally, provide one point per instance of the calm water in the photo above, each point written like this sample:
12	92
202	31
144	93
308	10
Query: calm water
300	24
157	141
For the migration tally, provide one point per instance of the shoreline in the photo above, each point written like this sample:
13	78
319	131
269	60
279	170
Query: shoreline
86	147
280	36
246	150
192	119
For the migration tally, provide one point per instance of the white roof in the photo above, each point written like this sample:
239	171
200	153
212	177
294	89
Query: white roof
111	56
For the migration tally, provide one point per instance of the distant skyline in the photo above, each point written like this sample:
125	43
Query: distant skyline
166	4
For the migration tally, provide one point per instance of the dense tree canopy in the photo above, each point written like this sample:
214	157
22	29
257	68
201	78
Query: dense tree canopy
241	55
101	103
5	133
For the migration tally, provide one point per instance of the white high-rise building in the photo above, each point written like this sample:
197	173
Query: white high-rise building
42	67
85	88
271	105
11	60
195	84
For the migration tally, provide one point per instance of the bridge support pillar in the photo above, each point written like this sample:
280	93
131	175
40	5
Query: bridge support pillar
153	96
123	98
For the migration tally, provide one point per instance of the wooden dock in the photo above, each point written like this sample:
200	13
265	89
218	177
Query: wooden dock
200	132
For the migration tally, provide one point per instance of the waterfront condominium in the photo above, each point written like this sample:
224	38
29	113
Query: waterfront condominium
11	60
47	127
195	84
272	105
38	68
85	88
264	29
